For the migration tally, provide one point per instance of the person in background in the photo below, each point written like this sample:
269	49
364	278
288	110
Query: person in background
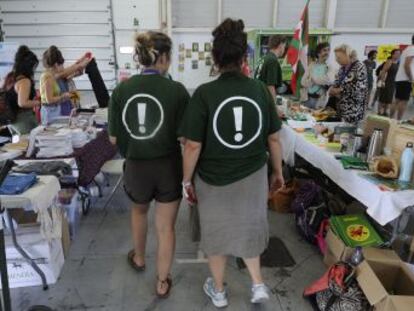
145	112
351	86
386	83
318	77
269	70
404	80
21	93
51	94
370	65
229	126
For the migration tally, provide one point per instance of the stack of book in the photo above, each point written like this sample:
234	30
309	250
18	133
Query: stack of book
52	144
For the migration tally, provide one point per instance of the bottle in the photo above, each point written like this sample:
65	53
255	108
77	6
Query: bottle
375	145
357	256
406	163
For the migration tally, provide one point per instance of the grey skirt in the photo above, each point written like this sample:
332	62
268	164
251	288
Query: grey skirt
233	218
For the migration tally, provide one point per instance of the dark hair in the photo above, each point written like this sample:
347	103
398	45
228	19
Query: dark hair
149	46
275	41
320	47
25	62
371	53
412	39
229	44
395	51
52	56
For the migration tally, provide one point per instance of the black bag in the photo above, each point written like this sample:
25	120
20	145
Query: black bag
7	114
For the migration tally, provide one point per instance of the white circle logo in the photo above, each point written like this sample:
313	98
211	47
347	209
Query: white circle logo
142	117
238	122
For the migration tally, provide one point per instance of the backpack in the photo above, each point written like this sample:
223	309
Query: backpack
7	114
310	210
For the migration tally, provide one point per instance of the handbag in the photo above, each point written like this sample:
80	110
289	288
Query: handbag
338	290
281	200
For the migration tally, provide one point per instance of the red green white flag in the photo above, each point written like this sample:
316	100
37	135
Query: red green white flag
297	54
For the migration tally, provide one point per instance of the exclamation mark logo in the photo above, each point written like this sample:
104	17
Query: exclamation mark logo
142	111
238	122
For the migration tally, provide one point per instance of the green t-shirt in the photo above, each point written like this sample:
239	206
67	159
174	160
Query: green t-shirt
232	117
269	71
145	112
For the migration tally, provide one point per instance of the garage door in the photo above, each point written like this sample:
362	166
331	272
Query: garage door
75	26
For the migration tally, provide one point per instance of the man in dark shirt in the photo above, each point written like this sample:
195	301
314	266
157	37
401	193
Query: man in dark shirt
370	64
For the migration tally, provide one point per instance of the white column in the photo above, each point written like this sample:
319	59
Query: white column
219	11
275	12
330	14
169	18
384	13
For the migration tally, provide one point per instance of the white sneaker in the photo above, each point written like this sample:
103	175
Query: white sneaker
260	293
219	299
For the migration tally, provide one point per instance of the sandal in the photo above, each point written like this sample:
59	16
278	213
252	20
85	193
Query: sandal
132	263
167	282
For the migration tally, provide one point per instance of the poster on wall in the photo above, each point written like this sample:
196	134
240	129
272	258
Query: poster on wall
194	64
201	56
384	51
181	67
188	53
207	47
181	58
195	47
208	61
370	48
181	47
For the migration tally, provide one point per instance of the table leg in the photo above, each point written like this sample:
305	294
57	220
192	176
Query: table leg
113	191
5	303
22	252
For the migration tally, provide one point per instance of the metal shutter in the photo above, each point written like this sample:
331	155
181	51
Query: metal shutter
258	13
194	13
400	14
75	26
358	14
289	13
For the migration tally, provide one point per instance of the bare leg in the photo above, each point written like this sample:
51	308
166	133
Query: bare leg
393	108
217	266
139	231
381	109
253	265
165	217
402	107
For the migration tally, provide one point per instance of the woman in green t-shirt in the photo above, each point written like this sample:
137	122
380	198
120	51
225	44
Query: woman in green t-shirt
229	126
144	114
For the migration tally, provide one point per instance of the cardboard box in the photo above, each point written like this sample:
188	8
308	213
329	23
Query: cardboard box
48	256
65	236
336	249
386	124
386	281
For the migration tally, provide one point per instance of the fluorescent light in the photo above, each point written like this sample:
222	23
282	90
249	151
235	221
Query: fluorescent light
126	49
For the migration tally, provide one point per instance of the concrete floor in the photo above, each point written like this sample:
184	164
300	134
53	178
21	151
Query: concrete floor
96	275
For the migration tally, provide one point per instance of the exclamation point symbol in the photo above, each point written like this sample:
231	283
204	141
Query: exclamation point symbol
238	122
142	111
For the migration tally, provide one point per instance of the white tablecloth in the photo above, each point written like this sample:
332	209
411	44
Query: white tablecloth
383	206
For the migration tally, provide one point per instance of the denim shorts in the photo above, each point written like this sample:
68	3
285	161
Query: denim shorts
49	113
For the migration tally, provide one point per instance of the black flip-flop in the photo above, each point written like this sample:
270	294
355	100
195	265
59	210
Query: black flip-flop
169	283
132	263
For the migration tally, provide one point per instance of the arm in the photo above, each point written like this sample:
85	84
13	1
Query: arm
192	150
22	88
50	99
275	149
384	70
272	90
73	70
407	67
326	79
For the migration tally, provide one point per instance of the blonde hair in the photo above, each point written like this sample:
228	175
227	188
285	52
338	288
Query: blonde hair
348	51
150	45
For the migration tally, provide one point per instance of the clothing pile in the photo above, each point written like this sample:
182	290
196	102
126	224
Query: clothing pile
17	184
52	144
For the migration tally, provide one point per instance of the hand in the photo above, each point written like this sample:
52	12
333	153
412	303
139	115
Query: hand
335	91
36	102
65	95
276	182
280	113
189	193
